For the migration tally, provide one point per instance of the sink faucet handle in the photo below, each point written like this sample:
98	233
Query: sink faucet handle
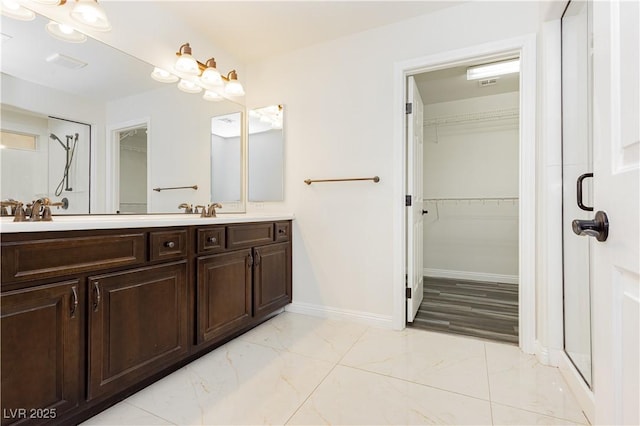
204	209
212	209
188	208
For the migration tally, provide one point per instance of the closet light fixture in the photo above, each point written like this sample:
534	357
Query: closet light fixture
65	32
195	76
15	10
493	69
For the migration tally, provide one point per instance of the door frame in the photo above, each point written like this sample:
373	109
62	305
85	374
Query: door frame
112	161
525	47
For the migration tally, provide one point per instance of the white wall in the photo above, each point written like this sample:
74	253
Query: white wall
472	239
339	100
178	142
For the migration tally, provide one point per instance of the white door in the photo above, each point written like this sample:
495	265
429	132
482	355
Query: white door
415	234
616	262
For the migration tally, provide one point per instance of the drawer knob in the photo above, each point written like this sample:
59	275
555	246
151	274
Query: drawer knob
170	244
212	240
282	231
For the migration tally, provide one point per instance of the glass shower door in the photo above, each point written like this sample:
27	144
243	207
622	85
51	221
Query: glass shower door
577	183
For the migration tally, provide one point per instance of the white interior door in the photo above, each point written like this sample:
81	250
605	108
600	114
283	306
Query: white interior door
616	262
415	234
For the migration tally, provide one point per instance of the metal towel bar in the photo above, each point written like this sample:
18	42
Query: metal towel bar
375	179
195	187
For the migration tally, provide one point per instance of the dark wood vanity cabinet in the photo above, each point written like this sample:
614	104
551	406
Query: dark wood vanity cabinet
40	355
88	317
137	325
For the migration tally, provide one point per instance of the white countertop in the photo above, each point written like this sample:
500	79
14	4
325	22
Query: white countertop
81	222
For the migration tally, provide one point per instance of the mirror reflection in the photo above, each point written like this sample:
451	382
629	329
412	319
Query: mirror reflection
266	154
226	158
111	100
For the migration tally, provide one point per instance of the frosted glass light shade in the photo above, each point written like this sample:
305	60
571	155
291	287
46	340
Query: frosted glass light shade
65	32
90	13
189	86
211	78
15	10
187	64
163	76
233	88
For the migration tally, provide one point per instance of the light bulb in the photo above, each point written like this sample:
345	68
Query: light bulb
233	88
189	86
90	13
163	76
15	10
65	32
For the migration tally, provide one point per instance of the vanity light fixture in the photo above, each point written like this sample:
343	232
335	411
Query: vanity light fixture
15	10
163	76
195	76
493	69
189	86
90	13
65	32
186	63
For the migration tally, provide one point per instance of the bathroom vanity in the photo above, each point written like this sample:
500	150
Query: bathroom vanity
96	308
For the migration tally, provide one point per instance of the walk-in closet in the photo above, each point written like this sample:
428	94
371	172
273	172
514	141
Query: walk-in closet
470	203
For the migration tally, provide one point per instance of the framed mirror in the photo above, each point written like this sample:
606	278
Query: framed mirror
266	154
107	93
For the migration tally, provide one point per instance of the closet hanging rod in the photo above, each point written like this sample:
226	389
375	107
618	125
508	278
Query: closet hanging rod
473	199
375	179
194	187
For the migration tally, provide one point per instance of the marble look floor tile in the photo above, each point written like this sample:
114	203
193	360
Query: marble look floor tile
354	397
447	362
125	414
519	380
316	337
503	415
238	383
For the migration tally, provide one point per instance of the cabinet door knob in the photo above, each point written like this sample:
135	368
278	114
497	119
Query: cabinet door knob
170	244
212	240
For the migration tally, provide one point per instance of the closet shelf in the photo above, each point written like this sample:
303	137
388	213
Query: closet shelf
471	199
474	117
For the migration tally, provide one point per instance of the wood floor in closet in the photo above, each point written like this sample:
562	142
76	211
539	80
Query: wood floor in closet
487	310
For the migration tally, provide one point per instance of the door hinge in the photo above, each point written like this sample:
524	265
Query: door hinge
408	292
407	200
408	108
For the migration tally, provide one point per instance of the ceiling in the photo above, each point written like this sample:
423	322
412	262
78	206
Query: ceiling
254	30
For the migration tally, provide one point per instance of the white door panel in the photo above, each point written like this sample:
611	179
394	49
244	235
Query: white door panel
415	234
616	264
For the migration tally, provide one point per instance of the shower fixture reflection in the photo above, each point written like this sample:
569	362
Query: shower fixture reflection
70	151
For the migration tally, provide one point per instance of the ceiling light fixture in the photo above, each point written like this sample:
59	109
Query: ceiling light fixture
65	32
493	69
15	10
195	76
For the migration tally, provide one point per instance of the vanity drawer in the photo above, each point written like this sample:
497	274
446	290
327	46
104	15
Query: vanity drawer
167	244
53	257
211	240
283	231
249	235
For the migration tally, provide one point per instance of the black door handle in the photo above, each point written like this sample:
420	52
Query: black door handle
598	227
424	212
581	178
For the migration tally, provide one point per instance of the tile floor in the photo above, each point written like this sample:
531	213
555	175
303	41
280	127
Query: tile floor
301	370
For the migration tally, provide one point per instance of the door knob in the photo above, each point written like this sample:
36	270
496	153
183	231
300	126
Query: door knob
598	227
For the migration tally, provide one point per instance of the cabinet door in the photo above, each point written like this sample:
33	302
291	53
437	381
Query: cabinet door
272	278
40	352
137	325
224	293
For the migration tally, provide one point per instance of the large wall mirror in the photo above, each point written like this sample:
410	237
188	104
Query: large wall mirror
134	134
266	154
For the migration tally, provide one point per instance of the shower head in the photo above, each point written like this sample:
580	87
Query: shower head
54	137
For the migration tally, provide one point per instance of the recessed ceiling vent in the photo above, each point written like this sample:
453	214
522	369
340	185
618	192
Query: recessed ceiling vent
66	61
487	82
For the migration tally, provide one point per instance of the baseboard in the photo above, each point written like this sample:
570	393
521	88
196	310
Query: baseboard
578	387
470	276
381	321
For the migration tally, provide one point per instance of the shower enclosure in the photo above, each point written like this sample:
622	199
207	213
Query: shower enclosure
577	179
